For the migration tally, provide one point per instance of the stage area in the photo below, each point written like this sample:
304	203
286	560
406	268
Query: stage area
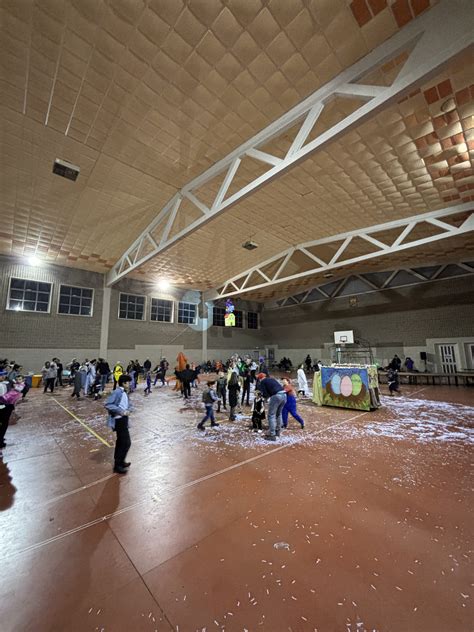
360	522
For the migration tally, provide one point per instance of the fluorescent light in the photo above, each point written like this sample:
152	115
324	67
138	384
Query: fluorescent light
163	284
34	261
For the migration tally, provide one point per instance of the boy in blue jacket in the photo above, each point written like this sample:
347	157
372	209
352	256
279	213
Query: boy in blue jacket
117	406
209	397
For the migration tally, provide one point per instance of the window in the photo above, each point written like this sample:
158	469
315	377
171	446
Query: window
161	310
218	316
252	320
75	301
132	307
239	318
187	313
29	296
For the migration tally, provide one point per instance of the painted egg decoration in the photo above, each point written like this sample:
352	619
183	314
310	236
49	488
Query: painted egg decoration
356	384
346	386
336	384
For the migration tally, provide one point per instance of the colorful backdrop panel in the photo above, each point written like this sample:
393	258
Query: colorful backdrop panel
345	387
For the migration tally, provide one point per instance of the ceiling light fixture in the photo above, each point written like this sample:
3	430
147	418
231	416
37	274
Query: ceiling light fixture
33	260
163	284
249	245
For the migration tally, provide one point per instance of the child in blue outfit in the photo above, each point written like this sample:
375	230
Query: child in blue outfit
209	397
290	406
148	383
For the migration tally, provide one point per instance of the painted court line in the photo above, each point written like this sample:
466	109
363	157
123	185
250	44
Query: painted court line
88	428
170	492
78	489
419	390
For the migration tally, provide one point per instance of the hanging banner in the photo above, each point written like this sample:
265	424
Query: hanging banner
229	317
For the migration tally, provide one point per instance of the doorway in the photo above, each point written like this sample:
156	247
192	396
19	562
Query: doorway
447	356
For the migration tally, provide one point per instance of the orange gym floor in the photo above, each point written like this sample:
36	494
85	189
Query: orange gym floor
361	522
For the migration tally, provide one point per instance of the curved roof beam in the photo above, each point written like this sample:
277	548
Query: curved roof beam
434	38
242	283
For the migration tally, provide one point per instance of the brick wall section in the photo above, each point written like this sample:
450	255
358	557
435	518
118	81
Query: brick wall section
53	330
125	334
392	318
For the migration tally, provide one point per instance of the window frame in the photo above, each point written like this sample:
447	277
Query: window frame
196	305
223	316
258	321
29	311
239	311
133	320
78	287
159	298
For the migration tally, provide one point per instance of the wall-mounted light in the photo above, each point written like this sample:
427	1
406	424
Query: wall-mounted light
33	260
163	284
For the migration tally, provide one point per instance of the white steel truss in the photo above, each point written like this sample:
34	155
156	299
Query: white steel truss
430	41
357	284
241	283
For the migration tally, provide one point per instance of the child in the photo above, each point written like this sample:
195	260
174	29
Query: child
302	381
133	377
258	412
209	397
393	381
77	384
96	388
222	391
290	406
148	382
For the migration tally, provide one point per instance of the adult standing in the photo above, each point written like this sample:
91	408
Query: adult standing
302	381
308	362
253	371
246	377
147	365
118	408
90	380
233	387
164	366
103	370
74	366
59	378
186	377
396	363
272	390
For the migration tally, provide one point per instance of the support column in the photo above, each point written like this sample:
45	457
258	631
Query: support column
104	325
206	308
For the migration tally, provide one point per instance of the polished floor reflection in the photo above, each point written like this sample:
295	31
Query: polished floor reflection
360	522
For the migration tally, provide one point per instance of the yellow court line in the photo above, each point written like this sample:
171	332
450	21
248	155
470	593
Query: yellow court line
88	428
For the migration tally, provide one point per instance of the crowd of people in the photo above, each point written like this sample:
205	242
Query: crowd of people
245	379
240	382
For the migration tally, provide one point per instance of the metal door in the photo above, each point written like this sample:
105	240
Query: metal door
447	356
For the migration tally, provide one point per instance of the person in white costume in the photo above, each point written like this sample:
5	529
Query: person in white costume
302	381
